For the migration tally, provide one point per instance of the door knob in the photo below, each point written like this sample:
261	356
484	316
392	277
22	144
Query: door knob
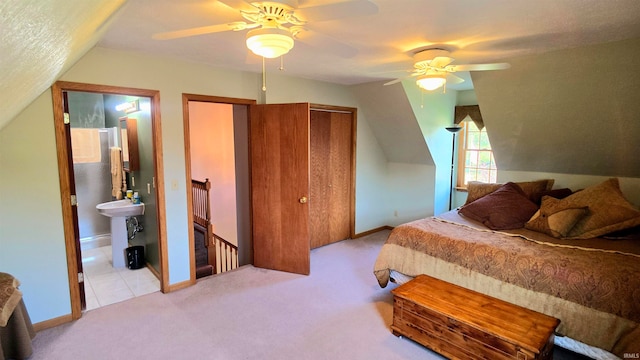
303	200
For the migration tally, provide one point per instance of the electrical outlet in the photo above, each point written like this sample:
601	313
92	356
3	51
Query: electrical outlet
148	188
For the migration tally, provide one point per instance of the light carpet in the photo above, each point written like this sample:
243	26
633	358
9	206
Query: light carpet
337	312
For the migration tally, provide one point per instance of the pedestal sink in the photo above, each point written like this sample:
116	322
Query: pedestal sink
118	211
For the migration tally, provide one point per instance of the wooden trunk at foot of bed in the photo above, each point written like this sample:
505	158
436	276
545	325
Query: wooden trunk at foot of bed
463	324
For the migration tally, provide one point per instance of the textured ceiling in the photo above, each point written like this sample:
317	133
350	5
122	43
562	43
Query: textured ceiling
40	40
379	46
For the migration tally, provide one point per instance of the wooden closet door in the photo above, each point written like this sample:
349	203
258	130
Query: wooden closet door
331	156
280	186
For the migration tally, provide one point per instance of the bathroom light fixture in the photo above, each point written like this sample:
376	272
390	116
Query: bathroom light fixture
431	81
129	107
269	42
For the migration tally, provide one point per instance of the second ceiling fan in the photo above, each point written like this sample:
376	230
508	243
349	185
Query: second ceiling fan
433	69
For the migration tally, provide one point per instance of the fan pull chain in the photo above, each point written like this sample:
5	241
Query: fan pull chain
281	63
421	99
264	76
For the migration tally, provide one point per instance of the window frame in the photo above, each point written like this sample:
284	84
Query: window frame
462	150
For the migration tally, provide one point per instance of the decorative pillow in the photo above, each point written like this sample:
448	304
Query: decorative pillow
477	189
10	297
608	210
555	193
506	208
555	220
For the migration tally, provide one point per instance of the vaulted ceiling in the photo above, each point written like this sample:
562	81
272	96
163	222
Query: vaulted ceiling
368	40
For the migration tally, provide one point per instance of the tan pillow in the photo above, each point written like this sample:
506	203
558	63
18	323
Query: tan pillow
555	220
477	189
608	210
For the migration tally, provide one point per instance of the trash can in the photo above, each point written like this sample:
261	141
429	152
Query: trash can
135	257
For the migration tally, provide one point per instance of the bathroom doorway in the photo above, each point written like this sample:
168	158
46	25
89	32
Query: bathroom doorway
88	118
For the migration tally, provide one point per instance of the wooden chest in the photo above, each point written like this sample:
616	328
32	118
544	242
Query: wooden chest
463	324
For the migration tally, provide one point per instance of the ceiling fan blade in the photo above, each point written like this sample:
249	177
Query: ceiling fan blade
478	67
441	61
453	79
193	32
237	4
392	82
326	43
402	78
338	10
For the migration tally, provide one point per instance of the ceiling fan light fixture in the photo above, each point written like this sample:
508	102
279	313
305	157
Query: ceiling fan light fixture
269	42
431	81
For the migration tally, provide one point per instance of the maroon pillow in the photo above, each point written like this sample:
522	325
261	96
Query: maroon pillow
506	208
555	193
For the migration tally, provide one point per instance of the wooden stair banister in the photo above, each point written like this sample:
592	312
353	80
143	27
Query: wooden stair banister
222	255
201	206
228	254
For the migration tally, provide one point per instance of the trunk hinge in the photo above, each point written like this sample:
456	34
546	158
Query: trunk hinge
80	277
74	200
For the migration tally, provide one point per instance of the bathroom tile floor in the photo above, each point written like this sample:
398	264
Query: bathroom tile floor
106	285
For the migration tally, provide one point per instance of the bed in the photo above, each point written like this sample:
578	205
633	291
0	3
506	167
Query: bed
590	282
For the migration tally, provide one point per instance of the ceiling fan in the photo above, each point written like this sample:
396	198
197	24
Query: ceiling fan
275	24
433	69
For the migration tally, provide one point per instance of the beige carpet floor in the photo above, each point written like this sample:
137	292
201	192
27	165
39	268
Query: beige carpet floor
337	312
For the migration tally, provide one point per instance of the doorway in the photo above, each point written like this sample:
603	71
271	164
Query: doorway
217	152
335	128
101	119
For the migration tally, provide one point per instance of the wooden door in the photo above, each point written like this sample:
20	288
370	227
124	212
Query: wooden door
279	136
74	204
330	205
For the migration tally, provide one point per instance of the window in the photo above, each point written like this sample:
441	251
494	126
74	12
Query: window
475	158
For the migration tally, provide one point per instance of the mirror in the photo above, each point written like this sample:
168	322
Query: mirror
129	140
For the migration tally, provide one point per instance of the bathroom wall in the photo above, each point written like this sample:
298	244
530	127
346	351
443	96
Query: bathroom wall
141	180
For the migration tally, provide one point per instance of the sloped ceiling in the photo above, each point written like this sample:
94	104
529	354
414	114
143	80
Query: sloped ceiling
574	111
391	117
40	40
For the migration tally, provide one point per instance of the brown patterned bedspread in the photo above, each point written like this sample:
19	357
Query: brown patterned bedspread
606	281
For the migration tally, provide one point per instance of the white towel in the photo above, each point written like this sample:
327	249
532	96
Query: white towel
85	145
